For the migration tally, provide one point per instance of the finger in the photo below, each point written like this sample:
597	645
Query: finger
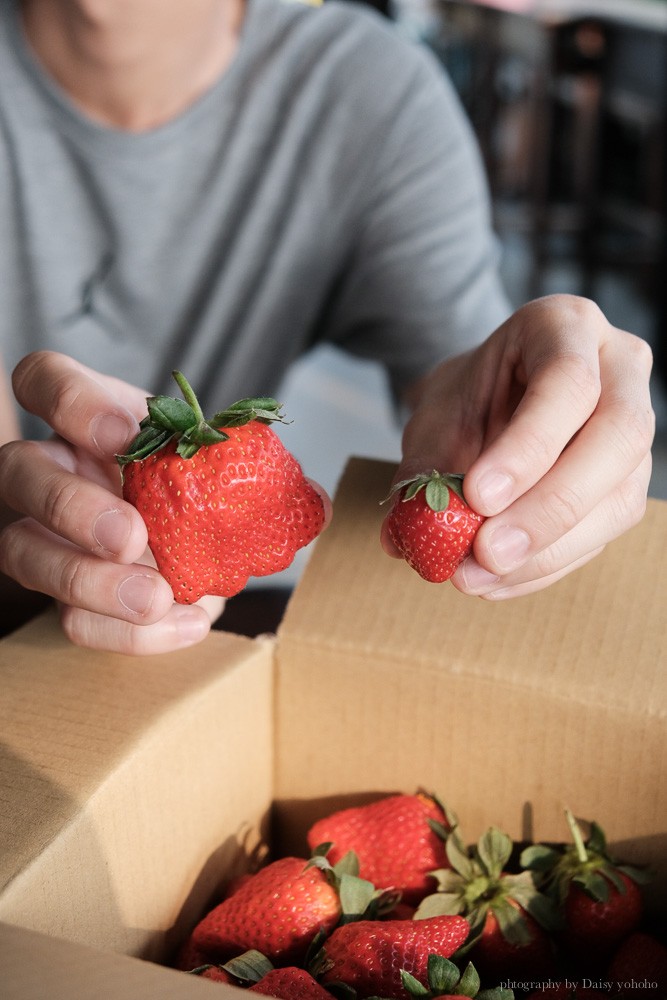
324	497
182	626
534	586
40	561
586	370
81	511
618	512
93	411
612	447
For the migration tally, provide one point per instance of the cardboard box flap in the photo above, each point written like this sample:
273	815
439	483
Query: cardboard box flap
105	768
36	967
601	631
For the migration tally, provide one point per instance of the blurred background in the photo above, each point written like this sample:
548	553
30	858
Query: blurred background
568	99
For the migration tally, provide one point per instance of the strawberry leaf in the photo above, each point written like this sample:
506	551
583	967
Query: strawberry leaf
458	858
437	494
412	986
469	983
440	904
638	875
539	858
512	923
594	885
147	441
348	865
170	414
494	849
251	966
356	894
443	975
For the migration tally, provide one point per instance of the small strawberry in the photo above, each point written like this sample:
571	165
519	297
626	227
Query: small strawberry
431	524
600	900
222	499
510	919
373	956
393	838
290	983
278	912
640	959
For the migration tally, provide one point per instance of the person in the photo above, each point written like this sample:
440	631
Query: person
219	185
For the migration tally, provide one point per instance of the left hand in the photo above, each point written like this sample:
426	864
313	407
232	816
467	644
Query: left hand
551	420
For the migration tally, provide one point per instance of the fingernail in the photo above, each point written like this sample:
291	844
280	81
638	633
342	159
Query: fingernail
475	577
191	626
110	432
136	593
509	547
111	530
495	489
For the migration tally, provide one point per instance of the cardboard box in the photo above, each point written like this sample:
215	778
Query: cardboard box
131	789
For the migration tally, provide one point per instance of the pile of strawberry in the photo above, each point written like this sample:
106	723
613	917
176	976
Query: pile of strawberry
393	904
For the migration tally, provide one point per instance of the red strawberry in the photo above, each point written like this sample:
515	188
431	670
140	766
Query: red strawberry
393	839
222	500
600	900
510	919
290	983
431	524
278	912
370	955
641	959
498	955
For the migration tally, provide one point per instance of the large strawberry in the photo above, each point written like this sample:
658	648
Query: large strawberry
510	919
398	840
222	499
278	912
373	956
600	900
431	524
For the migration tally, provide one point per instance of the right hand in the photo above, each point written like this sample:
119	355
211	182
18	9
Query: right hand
76	539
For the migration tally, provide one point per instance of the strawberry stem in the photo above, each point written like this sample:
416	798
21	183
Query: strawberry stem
580	847
189	395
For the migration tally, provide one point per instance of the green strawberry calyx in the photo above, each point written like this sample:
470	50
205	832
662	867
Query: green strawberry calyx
437	487
586	862
445	979
477	882
171	418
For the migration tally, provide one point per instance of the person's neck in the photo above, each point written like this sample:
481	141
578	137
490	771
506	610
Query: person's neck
134	64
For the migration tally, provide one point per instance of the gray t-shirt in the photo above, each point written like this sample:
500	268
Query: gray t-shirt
326	188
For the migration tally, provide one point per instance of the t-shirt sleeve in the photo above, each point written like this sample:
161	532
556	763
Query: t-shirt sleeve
421	282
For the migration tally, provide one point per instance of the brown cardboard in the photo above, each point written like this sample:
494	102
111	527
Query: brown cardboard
117	826
116	823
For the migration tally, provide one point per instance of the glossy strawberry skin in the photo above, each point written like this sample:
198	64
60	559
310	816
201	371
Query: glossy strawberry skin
236	509
368	955
433	542
593	927
290	983
496	958
277	912
392	839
